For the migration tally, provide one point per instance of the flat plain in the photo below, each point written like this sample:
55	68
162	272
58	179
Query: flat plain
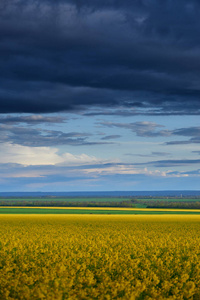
96	210
99	256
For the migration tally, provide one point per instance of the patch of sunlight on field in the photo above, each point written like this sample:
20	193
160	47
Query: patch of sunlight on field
99	257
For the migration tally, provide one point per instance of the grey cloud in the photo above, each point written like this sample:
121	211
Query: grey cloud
142	109
111	137
152	154
70	55
190	131
44	138
190	141
142	129
160	153
157	164
150	129
31	119
196	172
193	132
171	163
197	152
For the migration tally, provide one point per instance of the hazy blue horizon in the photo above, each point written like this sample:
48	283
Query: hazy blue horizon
103	194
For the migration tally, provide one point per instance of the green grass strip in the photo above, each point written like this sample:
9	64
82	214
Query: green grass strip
91	211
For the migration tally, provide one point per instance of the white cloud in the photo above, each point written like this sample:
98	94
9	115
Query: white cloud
70	159
10	153
24	155
123	170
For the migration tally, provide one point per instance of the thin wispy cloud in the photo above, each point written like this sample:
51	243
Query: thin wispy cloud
31	119
34	137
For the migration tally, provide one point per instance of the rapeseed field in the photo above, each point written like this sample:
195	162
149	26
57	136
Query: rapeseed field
99	257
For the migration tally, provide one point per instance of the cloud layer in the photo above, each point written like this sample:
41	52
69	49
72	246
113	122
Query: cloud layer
70	55
99	94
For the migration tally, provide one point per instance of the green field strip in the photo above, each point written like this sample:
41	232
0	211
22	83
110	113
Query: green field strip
91	211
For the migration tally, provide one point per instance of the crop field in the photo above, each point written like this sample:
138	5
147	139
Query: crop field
99	202
97	210
99	257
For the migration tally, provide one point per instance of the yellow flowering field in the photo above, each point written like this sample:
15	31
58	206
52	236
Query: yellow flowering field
99	257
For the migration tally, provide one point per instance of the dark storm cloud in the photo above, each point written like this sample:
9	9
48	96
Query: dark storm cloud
32	137
68	55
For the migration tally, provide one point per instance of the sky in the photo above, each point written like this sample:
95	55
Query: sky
99	95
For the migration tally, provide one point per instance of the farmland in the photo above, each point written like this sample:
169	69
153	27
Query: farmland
97	210
67	202
128	202
99	257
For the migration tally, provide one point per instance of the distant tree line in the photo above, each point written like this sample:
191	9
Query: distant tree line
54	203
132	203
166	204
